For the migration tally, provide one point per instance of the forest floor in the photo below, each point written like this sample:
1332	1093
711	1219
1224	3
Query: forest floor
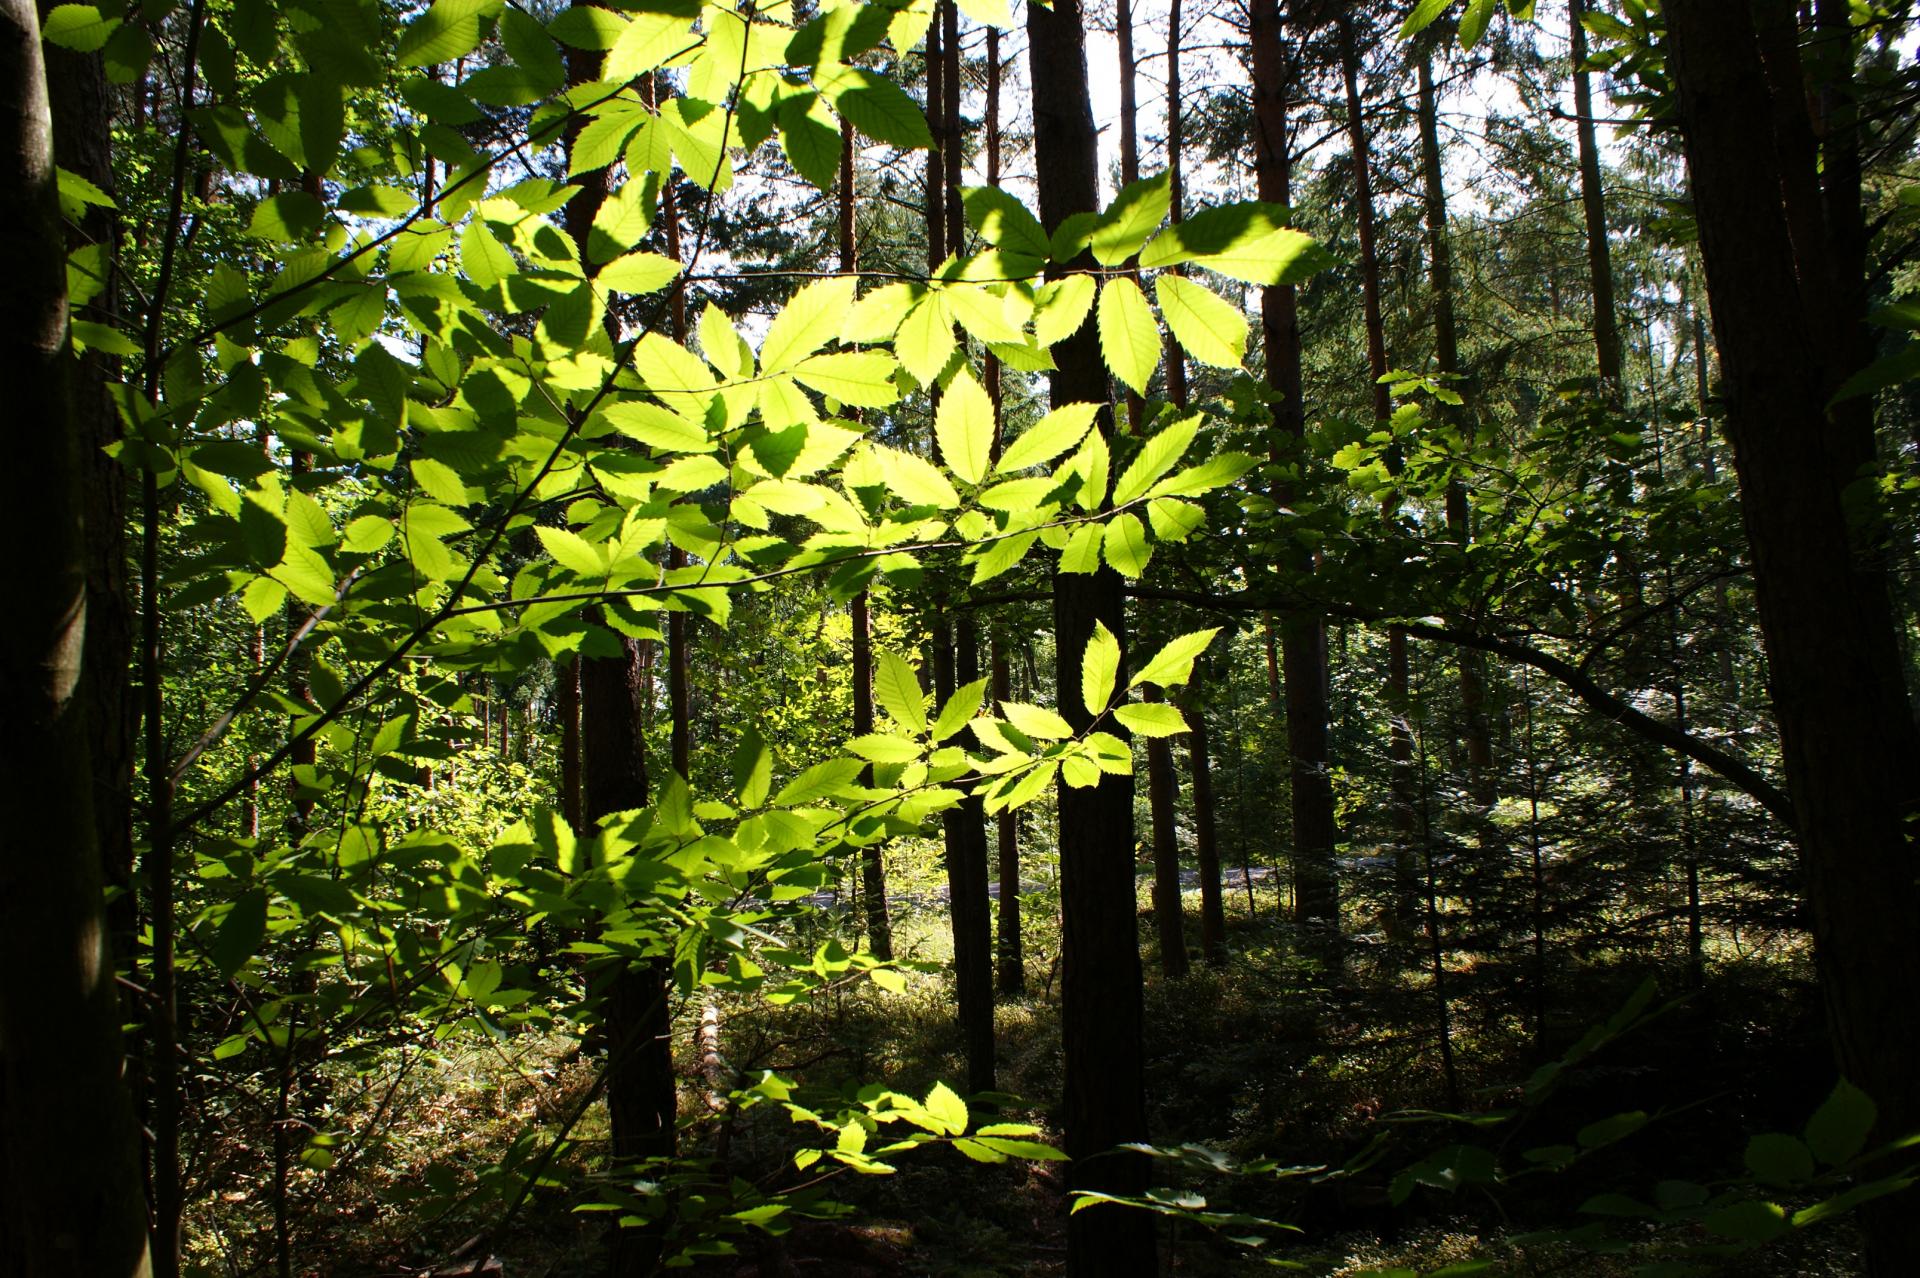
1267	1058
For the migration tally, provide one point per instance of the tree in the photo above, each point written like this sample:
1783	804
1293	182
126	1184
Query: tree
1849	744
1104	1101
70	1193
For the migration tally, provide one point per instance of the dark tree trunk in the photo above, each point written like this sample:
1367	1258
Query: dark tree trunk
1176	357
642	1100
1162	798
1606	326
1012	963
1101	1016
1303	639
1848	743
70	1197
873	869
1446	347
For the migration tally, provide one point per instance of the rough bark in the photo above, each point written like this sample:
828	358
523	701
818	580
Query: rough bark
1849	746
1606	325
70	1197
1446	346
1101	1016
1303	640
1176	357
642	1100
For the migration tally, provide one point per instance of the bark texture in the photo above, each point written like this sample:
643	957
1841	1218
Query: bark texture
1101	1016
1849	746
70	1198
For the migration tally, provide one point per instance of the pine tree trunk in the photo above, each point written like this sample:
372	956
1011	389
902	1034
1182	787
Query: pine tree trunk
70	1197
1303	646
1101	1015
1848	743
1446	347
1606	326
642	1099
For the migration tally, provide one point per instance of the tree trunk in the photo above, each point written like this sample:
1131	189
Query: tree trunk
642	1100
1848	743
70	1199
1446	348
1303	639
1012	972
1606	327
1012	963
1176	356
873	868
1206	844
1101	1015
1169	915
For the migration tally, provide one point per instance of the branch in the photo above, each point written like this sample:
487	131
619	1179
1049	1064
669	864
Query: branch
1607	704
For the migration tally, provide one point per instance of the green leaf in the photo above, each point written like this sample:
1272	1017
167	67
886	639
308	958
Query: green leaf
1838	1130
964	428
1755	1222
1285	256
959	710
573	552
439	481
863	379
818	782
807	322
1212	331
1422	17
1125	545
1047	438
1005	222
1609	1130
915	480
638	273
649	40
291	217
926	338
1083	550
657	427
884	747
1099	669
484	258
1156	457
898	690
1473	23
448	30
241	932
947	1109
878	108
1215	472
79	27
1776	1158
1061	308
752	769
1173	664
1037	722
1219	229
1135	214
1151	718
1129	337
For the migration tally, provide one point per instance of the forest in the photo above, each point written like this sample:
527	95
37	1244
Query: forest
866	637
